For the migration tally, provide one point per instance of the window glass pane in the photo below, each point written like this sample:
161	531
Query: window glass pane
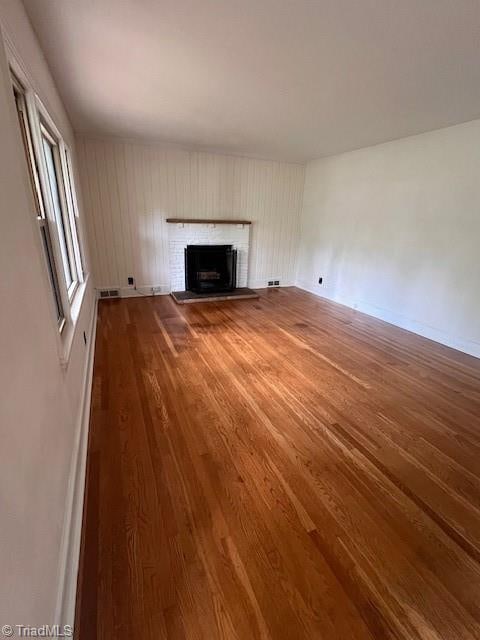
54	189
72	196
47	246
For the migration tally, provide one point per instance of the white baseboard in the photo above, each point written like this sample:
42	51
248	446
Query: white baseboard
137	292
165	289
72	528
460	344
147	290
263	284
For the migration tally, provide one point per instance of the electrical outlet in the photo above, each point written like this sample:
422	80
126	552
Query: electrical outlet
276	282
131	280
320	280
270	283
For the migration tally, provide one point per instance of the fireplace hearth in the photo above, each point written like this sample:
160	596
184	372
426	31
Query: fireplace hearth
211	268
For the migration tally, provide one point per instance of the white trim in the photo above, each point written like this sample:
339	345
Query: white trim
47	131
20	68
39	118
67	335
409	324
72	207
140	291
16	66
263	284
165	289
72	525
154	290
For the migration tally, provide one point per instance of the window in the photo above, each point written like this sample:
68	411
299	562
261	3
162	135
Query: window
62	201
55	206
51	154
26	133
73	211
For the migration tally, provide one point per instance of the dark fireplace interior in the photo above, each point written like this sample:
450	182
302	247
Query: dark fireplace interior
210	268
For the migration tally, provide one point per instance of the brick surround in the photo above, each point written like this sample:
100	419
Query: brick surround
181	234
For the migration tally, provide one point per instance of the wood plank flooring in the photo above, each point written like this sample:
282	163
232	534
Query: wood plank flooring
278	468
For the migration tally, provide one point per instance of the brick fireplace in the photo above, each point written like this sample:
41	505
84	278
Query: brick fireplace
184	233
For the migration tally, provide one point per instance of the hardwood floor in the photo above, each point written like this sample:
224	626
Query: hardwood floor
278	468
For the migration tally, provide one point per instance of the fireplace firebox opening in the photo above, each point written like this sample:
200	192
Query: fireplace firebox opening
210	268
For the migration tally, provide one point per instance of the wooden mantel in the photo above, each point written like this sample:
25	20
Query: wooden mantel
207	221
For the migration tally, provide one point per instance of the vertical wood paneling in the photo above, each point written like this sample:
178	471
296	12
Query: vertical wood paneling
130	189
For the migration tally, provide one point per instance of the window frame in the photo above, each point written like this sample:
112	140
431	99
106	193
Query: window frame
48	240
62	217
72	204
27	133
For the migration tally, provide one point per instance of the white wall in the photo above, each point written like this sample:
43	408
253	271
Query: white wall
130	189
395	232
40	402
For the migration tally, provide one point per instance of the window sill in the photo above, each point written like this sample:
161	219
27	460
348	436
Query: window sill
68	332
